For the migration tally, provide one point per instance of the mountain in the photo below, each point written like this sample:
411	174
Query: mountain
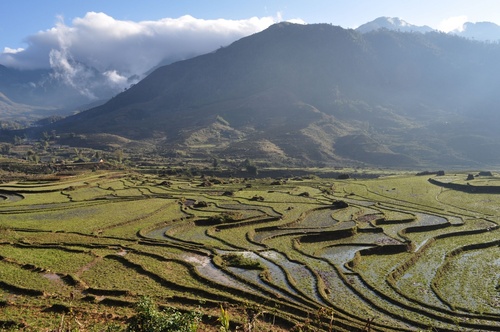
52	89
484	31
480	31
69	85
14	115
33	87
318	94
27	96
392	23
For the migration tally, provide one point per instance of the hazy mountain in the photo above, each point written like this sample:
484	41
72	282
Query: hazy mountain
35	87
14	114
67	87
52	89
484	31
481	31
318	94
392	23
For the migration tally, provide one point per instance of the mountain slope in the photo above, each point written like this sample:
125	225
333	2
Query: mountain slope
314	93
14	114
68	88
55	89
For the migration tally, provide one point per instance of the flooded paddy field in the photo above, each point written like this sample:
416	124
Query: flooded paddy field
396	253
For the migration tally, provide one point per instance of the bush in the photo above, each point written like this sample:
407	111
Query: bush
257	198
150	319
241	261
220	219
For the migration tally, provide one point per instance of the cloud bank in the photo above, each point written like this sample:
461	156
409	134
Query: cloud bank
455	23
115	50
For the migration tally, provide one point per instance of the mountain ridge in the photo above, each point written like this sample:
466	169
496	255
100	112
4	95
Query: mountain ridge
53	88
480	31
392	23
316	93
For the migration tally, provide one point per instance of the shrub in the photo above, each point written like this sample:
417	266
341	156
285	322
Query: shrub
224	320
150	319
226	217
252	169
241	261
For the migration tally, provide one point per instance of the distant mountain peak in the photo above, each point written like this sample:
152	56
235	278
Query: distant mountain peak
392	23
395	21
479	31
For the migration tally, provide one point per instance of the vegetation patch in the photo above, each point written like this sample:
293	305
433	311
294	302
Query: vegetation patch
241	261
415	255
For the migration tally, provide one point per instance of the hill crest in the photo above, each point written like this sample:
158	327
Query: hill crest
304	88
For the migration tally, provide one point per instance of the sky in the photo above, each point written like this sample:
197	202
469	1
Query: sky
122	38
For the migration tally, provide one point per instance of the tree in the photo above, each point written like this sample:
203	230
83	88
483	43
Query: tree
78	153
6	149
252	169
32	156
17	140
29	154
119	155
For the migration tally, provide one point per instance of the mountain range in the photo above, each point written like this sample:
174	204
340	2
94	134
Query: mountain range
53	89
480	31
49	93
393	23
315	95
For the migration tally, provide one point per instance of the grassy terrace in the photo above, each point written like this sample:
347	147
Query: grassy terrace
396	253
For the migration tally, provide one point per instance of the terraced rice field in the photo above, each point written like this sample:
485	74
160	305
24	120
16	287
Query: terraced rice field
389	254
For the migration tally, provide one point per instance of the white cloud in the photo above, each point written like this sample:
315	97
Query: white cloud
114	77
455	23
98	47
70	72
128	47
296	21
8	50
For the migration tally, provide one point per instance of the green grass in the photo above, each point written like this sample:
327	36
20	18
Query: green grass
109	274
54	260
469	281
83	218
17	276
106	230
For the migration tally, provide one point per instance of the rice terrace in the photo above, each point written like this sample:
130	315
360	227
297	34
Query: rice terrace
399	252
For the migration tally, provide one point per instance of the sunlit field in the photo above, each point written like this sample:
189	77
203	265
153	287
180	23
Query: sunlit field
394	253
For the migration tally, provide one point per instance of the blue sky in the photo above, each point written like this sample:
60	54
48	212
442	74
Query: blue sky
22	18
